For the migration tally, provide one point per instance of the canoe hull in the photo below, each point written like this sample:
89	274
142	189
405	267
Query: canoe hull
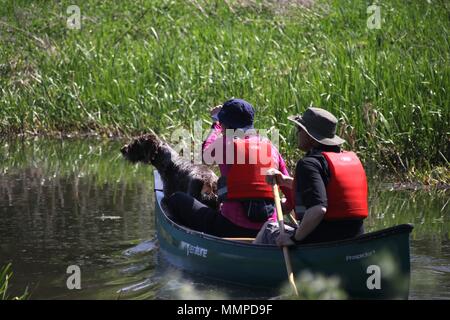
374	266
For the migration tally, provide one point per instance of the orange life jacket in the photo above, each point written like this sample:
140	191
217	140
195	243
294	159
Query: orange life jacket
246	177
346	190
347	187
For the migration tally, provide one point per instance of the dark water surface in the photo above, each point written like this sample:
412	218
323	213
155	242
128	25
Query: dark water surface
76	202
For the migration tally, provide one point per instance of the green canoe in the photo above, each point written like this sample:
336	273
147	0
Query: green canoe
375	265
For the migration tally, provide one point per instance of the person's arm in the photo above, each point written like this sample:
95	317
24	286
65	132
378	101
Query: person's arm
215	132
312	191
313	216
216	128
289	204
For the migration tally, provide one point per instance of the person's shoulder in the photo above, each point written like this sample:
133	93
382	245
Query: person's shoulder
307	166
274	147
313	160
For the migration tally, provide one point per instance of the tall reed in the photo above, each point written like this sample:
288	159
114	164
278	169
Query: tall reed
136	65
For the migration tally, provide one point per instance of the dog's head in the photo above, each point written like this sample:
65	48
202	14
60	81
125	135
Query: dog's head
142	149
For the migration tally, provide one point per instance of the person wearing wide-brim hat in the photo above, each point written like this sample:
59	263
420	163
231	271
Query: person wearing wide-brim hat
329	186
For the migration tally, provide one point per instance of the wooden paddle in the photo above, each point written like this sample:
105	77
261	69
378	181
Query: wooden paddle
287	258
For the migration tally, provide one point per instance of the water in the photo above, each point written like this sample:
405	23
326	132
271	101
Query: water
76	202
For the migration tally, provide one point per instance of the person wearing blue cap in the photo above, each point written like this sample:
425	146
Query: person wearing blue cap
236	114
246	198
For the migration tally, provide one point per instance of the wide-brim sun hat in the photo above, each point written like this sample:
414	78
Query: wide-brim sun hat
320	125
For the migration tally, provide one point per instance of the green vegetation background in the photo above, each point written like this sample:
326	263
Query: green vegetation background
140	65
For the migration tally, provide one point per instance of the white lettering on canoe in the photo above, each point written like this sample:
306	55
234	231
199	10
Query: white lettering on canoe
195	250
360	256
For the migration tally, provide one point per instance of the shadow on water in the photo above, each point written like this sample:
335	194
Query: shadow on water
77	202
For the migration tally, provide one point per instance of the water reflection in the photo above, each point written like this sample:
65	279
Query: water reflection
430	240
54	197
65	202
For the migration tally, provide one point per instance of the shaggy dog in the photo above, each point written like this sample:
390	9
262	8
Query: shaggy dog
177	173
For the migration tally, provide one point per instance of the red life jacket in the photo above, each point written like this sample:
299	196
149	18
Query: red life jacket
246	177
347	188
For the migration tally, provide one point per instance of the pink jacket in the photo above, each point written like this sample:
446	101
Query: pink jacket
233	210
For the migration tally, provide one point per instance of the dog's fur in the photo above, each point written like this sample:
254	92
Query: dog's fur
177	173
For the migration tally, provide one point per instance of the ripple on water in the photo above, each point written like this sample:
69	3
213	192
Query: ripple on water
141	248
441	269
147	283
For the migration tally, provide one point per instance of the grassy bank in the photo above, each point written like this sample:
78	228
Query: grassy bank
160	64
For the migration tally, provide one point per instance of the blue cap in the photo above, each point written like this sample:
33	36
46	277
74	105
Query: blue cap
237	114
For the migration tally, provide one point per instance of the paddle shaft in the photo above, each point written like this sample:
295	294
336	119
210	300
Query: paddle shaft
287	258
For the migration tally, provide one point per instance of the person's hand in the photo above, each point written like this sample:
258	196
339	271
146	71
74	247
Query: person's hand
274	176
284	240
215	111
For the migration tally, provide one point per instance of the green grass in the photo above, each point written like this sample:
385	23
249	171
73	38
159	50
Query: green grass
5	277
136	65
